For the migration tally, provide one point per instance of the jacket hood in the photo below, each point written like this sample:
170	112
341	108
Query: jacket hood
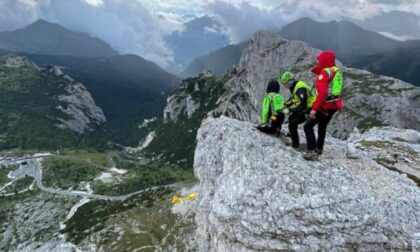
273	87
325	59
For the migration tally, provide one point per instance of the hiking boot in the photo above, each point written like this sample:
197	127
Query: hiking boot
311	156
318	151
293	145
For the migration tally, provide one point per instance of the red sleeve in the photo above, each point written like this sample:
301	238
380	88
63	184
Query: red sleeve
321	85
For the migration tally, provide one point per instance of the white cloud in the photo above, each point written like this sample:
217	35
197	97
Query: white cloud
126	25
208	29
396	37
330	9
17	13
95	2
243	20
137	26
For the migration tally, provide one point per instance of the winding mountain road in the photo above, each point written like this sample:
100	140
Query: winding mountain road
34	164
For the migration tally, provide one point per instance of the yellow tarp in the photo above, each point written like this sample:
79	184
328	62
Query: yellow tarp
179	199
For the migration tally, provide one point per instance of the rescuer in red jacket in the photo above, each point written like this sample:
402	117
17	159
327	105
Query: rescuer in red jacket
327	88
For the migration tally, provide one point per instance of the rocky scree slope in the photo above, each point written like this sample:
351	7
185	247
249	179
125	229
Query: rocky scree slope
256	194
38	103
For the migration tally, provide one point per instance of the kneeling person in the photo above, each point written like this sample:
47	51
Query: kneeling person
298	105
271	116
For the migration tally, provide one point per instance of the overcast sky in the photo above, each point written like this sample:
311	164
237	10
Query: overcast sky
138	26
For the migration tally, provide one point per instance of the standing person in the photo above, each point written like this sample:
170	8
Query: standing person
328	87
271	116
298	105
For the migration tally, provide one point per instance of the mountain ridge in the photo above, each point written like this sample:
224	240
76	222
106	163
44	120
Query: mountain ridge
43	37
218	62
360	48
344	37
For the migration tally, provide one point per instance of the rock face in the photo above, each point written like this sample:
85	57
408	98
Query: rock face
193	94
259	195
370	100
77	109
82	114
180	104
182	117
81	109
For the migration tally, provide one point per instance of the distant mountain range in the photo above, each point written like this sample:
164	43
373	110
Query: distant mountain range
127	88
217	62
402	25
401	62
349	41
354	46
43	37
360	48
198	37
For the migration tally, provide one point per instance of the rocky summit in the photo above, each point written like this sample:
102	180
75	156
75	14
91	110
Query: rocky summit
257	194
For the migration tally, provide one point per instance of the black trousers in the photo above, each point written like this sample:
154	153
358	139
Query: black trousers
294	120
322	119
273	126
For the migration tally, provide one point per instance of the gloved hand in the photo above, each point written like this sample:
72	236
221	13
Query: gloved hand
312	115
273	118
286	111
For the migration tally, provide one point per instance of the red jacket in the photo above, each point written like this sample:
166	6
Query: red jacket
325	60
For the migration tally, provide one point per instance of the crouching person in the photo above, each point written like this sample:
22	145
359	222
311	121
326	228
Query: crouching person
271	116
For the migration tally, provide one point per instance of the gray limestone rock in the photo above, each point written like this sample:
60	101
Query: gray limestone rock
256	194
81	109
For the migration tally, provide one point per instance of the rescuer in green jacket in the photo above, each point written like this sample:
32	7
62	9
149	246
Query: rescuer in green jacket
299	104
272	116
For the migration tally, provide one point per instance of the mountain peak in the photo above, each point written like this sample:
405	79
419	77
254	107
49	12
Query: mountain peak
45	37
45	25
42	21
304	20
307	20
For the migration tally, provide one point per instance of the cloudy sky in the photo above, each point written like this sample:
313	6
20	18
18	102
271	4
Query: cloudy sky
138	26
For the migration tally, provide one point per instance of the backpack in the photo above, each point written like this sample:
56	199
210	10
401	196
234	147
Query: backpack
336	85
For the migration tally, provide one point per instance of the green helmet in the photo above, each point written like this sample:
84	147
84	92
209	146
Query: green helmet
285	77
